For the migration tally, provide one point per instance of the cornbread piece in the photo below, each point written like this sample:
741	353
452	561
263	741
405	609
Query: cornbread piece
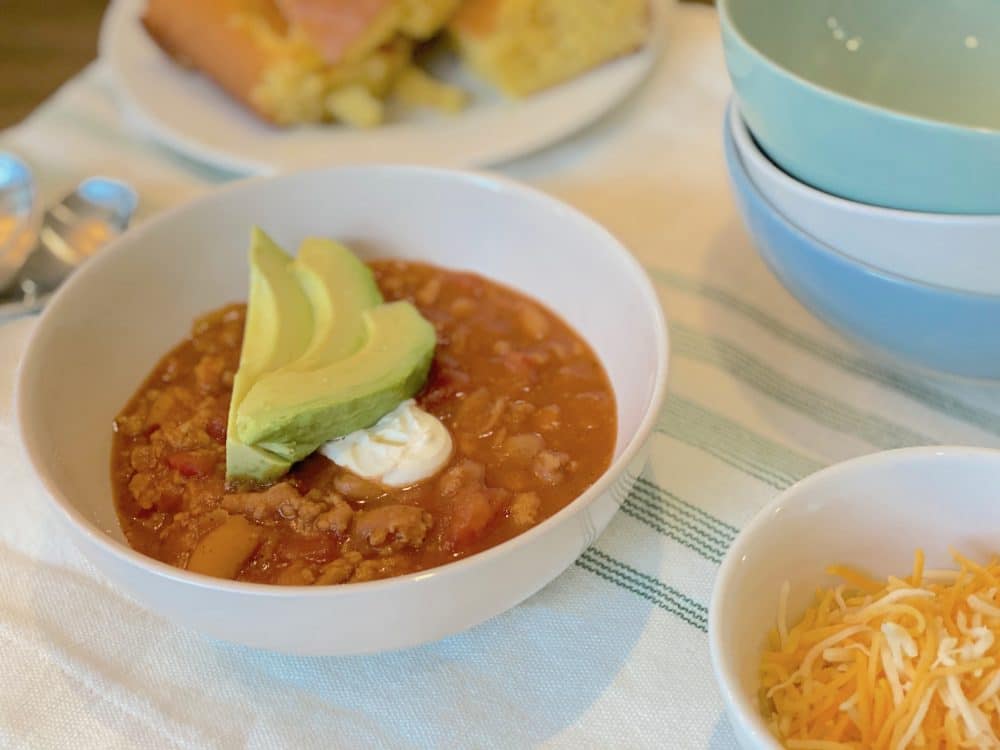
194	32
422	19
302	61
300	90
350	30
522	46
343	30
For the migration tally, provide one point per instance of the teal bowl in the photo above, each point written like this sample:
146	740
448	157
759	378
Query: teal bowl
889	102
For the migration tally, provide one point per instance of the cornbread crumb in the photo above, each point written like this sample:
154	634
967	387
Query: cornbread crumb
414	87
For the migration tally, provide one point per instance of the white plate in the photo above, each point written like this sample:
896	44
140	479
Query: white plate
187	112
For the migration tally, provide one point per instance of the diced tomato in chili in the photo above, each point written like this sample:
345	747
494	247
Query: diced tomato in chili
472	514
192	463
216	429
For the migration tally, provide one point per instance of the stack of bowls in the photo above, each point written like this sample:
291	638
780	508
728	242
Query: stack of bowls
863	145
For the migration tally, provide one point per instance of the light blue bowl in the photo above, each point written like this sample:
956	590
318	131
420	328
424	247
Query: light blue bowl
930	326
889	102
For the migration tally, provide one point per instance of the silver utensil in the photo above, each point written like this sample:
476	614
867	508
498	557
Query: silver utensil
18	229
69	233
74	229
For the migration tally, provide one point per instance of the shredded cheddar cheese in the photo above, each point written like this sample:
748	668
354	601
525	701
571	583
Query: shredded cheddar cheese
909	663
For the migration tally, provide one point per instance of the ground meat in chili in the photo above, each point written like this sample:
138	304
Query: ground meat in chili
527	402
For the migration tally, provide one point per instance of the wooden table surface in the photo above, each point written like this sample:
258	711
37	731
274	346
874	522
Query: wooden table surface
42	43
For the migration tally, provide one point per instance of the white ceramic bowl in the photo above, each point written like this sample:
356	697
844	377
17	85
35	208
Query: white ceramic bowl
110	324
957	251
873	513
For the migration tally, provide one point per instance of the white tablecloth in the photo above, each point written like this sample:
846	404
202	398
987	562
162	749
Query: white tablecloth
613	653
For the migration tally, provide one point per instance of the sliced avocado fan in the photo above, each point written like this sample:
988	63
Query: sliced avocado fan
355	360
340	288
292	412
278	330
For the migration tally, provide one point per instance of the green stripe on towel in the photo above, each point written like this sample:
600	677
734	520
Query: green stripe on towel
649	588
663	504
670	530
810	403
730	442
895	379
726	528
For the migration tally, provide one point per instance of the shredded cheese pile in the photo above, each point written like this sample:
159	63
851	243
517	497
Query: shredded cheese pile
909	663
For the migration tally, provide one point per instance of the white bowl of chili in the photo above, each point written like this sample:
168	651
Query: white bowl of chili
107	328
870	514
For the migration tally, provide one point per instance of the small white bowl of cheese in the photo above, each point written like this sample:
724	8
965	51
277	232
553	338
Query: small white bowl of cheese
871	514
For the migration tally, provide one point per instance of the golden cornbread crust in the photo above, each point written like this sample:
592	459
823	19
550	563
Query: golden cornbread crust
197	34
477	17
523	46
282	71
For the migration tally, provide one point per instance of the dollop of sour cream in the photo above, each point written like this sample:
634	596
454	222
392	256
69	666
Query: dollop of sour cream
403	448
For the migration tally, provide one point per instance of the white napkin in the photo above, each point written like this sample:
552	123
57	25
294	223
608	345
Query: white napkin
614	652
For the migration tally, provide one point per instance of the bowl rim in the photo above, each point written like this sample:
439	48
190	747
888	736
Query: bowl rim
730	134
740	706
906	118
749	145
124	553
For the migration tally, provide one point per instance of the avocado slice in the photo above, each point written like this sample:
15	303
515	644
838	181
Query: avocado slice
339	288
295	411
278	330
